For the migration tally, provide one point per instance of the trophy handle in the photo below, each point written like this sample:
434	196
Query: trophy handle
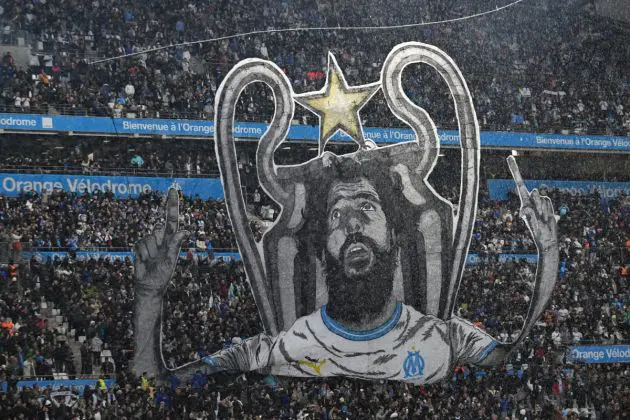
241	75
403	108
426	134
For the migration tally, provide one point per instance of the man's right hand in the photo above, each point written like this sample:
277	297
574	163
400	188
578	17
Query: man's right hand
157	253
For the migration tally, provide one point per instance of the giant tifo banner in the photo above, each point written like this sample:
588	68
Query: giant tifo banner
361	278
201	128
599	354
499	188
12	185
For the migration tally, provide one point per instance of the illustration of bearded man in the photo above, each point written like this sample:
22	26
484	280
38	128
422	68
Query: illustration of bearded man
365	226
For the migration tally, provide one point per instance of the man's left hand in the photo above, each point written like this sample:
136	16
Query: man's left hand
537	211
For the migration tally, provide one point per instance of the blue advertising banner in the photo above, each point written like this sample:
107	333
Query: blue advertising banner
83	255
225	256
12	185
530	258
499	188
200	128
474	259
599	354
55	385
79	255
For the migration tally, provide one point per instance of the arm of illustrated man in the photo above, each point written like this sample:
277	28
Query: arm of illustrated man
470	344
252	354
156	259
537	212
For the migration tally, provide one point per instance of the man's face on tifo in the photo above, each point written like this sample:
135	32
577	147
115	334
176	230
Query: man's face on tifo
357	226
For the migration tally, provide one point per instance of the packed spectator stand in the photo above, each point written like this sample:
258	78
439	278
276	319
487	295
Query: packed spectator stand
209	305
93	156
544	66
69	317
63	220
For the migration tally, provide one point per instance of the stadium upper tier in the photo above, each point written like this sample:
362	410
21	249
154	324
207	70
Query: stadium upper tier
545	67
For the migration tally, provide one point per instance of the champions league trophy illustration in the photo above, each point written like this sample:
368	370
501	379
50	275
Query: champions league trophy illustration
358	276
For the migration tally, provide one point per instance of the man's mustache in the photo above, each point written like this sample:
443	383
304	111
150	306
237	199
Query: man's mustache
353	239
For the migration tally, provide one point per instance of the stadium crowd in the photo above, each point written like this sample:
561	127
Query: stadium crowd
469	395
209	305
543	66
59	219
590	303
96	156
547	67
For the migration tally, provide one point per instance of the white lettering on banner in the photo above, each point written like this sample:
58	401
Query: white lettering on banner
10	185
607	190
373	135
613	192
618	353
449	138
187	127
621	143
81	185
596	142
18	122
583	141
76	185
393	134
603	190
400	135
240	129
612	354
131	125
588	354
555	141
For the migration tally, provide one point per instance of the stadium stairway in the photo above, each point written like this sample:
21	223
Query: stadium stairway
21	54
57	321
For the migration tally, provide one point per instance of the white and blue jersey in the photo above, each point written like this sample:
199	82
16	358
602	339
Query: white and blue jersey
409	347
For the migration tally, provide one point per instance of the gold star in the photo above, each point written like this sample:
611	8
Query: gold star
338	105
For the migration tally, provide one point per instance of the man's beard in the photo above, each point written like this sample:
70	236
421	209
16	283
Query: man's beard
352	299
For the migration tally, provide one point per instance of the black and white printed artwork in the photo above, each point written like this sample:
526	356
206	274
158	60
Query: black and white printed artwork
359	273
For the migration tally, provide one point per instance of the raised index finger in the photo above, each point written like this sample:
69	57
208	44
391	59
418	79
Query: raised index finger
172	211
523	192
